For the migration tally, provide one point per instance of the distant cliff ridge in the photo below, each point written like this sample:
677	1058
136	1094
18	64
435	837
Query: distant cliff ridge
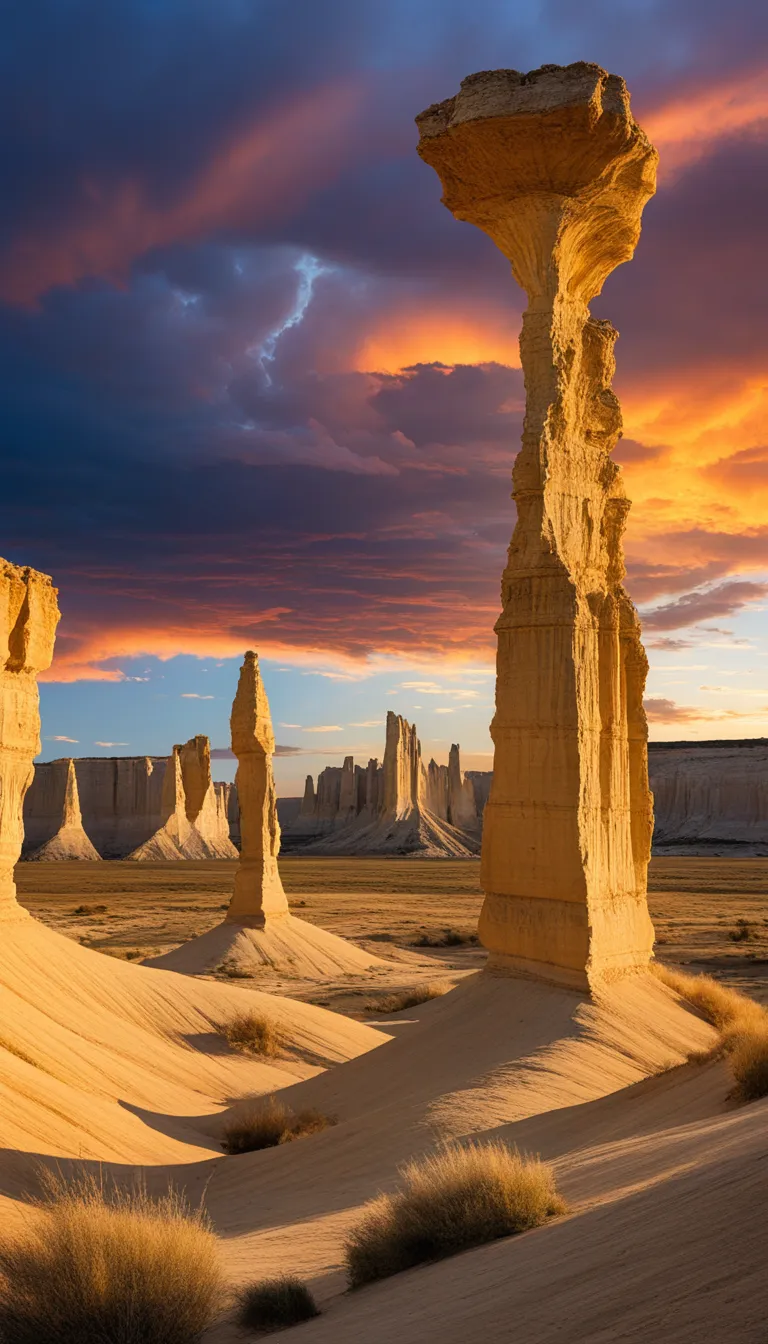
129	807
710	798
400	806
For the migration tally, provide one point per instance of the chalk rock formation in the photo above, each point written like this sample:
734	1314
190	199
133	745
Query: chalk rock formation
53	822
552	166
258	931
710	797
398	807
29	615
258	889
147	808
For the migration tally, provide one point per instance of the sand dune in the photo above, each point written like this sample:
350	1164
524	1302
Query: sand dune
105	1060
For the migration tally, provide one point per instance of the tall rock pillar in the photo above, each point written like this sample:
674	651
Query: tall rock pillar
258	889
29	615
552	166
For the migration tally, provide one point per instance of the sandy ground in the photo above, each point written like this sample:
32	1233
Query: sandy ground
385	905
108	1061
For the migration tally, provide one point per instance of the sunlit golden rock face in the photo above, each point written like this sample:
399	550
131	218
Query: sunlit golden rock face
552	166
258	889
29	615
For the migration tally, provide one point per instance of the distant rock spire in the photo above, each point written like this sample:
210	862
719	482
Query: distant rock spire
258	891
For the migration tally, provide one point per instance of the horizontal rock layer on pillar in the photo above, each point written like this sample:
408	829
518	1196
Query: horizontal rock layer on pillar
553	167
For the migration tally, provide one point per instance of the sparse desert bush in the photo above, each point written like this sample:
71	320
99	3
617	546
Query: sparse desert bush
743	932
445	938
408	998
94	1266
457	1198
274	1304
749	1064
89	910
268	1123
741	1022
124	953
253	1034
732	1013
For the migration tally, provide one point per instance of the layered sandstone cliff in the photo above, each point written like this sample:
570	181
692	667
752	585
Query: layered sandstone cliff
710	797
29	615
398	807
131	807
554	168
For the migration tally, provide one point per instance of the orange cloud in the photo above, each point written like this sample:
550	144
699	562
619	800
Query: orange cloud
266	169
684	129
433	333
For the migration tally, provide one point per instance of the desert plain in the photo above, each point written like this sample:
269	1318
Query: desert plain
710	915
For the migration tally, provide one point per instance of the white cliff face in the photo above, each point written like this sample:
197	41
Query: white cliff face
398	807
134	807
53	822
710	797
554	168
29	615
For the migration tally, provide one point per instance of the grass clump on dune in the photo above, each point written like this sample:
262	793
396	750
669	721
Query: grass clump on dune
274	1304
253	1034
741	1022
457	1198
446	938
95	1266
408	998
269	1123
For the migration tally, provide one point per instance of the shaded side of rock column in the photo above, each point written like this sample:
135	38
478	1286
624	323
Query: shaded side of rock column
29	615
258	893
552	166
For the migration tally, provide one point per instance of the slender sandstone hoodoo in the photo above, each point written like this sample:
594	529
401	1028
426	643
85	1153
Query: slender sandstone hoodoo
29	615
258	888
552	166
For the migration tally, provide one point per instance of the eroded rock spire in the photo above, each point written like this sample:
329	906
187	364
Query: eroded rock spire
29	615
552	166
258	889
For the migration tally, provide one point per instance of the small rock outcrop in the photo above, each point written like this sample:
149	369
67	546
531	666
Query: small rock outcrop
552	166
29	615
398	807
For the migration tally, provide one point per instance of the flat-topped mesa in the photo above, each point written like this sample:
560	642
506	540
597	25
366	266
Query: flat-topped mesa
29	615
258	891
552	166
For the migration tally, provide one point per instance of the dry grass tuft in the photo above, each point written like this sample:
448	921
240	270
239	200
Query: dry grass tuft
445	938
253	1034
741	1022
409	998
275	1304
95	1266
457	1198
270	1123
749	1064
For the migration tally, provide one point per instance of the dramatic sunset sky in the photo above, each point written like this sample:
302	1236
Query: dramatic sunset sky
260	389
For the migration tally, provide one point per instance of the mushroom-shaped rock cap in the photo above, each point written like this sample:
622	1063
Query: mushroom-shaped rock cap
551	165
251	722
